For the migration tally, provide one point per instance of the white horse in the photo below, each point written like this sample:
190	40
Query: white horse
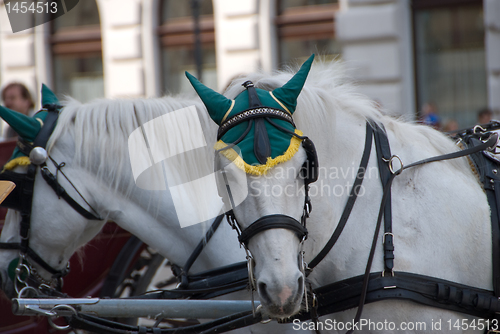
91	139
441	218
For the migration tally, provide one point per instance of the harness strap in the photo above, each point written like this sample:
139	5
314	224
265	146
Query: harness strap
104	326
493	196
489	177
383	155
48	125
353	195
343	295
184	281
488	144
61	192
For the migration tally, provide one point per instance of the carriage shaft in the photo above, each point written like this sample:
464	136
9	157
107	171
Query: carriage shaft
131	308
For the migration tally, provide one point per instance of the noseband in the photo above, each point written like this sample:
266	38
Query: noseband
309	173
21	200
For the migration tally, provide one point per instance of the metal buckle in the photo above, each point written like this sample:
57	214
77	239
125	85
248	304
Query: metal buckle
392	273
385	234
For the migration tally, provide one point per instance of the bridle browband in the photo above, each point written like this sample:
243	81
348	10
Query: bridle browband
25	274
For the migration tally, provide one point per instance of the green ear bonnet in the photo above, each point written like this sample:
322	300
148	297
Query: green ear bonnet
262	142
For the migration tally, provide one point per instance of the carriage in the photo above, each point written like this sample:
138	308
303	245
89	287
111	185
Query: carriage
304	264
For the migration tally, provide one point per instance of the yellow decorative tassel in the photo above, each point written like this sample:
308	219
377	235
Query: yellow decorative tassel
21	161
261	169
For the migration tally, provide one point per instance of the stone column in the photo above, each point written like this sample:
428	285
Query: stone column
377	44
122	48
236	39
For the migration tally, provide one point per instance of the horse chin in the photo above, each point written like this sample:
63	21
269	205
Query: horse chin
7	286
281	312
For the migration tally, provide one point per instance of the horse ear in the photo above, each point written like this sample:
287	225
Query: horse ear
290	91
48	96
25	126
217	104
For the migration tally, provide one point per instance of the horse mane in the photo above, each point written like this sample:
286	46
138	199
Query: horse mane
329	90
101	128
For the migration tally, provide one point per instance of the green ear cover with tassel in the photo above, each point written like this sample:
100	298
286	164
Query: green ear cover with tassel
284	98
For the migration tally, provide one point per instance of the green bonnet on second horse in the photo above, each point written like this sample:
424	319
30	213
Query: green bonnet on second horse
27	127
257	121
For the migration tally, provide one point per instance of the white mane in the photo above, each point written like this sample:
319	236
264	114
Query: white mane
328	90
101	129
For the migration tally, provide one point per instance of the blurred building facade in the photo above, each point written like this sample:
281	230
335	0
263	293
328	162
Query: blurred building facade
403	53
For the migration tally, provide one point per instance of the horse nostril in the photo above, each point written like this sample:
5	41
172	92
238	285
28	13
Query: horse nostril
263	290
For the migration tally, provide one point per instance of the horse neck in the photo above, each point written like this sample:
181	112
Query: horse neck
150	214
158	227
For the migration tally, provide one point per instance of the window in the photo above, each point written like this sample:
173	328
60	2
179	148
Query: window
450	58
306	27
177	35
77	53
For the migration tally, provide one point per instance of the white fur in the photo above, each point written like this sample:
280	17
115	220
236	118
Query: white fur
440	213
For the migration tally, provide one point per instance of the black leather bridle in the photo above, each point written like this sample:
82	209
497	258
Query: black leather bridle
21	200
309	173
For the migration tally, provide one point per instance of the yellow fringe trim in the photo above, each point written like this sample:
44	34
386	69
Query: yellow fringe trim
21	161
260	169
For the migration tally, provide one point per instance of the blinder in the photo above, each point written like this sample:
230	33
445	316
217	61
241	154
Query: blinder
310	171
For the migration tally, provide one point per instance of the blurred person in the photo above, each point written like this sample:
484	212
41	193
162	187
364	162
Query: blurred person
429	115
484	116
450	126
17	97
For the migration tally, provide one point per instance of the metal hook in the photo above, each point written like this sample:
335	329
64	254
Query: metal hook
61	328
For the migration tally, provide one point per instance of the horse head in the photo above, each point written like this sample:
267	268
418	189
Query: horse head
265	165
37	245
87	178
